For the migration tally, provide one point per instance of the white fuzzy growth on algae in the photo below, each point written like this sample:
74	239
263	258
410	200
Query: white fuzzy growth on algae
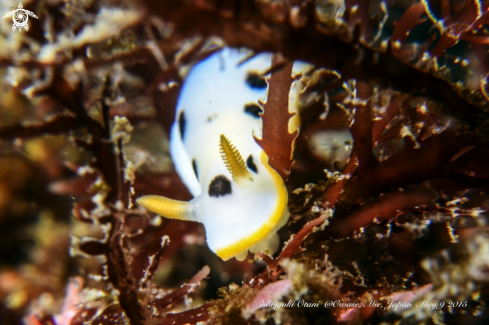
109	22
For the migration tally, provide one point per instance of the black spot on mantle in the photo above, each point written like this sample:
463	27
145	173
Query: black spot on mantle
220	186
255	80
181	123
253	109
251	164
194	165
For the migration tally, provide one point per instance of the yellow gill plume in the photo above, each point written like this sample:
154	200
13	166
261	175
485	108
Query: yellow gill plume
166	207
234	162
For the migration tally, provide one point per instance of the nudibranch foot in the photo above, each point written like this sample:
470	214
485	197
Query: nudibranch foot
268	245
241	256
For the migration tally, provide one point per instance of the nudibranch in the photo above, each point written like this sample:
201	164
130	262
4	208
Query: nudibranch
239	198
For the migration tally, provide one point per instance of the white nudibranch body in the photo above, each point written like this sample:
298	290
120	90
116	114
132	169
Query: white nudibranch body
239	198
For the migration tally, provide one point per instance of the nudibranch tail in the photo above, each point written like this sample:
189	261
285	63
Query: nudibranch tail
169	208
234	162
